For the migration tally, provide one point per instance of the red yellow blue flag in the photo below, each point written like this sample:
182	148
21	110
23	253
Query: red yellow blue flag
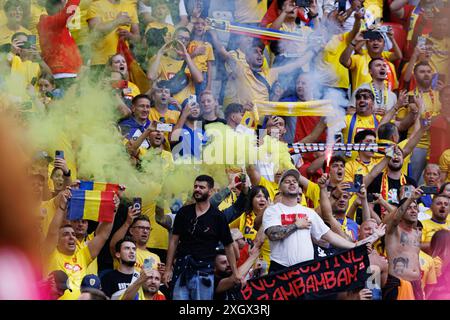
93	205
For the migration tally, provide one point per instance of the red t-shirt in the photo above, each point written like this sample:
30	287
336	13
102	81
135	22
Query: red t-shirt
159	296
272	15
243	255
303	128
440	142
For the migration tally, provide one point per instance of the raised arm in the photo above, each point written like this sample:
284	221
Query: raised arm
397	51
197	75
153	67
51	239
102	233
162	219
122	231
253	173
103	28
326	211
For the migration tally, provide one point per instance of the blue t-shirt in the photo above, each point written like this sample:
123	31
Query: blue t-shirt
131	130
352	228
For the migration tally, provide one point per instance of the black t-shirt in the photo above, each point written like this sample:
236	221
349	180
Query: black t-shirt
231	294
394	186
114	281
200	236
206	122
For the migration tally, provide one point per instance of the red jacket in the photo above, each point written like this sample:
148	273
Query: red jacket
59	50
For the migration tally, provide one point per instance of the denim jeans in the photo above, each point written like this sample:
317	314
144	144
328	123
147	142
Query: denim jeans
199	287
417	164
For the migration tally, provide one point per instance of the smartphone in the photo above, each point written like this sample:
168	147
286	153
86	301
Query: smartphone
242	177
371	35
411	99
147	264
303	3
421	41
32	40
33	81
192	99
137	204
59	154
342	5
442	77
164	127
429	190
406	192
370	198
357	182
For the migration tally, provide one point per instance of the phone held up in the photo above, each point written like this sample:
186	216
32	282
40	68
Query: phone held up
59	154
137	204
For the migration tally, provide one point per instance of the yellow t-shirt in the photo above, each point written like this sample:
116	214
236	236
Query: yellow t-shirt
106	11
78	25
432	106
244	86
331	54
430	228
35	14
167	70
356	166
272	188
444	163
93	266
141	255
361	123
440	57
24	71
161	25
202	60
74	266
246	11
359	68
228	201
313	193
6	34
427	269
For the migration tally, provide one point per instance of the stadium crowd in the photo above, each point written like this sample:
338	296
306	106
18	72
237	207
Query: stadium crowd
281	72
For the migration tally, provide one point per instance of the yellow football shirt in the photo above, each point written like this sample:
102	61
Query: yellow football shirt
167	69
249	11
93	266
444	163
331	54
201	61
75	266
356	166
359	68
106	46
430	227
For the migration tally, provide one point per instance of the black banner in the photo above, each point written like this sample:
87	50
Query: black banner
341	272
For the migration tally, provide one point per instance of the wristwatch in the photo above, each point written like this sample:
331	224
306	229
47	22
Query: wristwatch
67	174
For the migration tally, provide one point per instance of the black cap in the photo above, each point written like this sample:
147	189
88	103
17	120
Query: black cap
61	280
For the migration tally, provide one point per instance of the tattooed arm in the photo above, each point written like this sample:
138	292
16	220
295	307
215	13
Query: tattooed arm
276	233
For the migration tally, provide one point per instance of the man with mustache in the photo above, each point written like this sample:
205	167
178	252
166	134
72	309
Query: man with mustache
431	108
389	182
197	231
440	210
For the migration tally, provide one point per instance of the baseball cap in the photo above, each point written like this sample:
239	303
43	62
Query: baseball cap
290	172
61	280
91	281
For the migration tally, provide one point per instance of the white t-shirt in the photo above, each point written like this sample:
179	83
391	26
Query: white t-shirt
298	246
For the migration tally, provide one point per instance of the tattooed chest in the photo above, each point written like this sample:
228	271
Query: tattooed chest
409	239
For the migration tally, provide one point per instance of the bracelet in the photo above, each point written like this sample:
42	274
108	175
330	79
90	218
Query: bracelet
313	16
354	45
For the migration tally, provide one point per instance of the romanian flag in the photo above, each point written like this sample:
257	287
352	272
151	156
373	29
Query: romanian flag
91	205
100	186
